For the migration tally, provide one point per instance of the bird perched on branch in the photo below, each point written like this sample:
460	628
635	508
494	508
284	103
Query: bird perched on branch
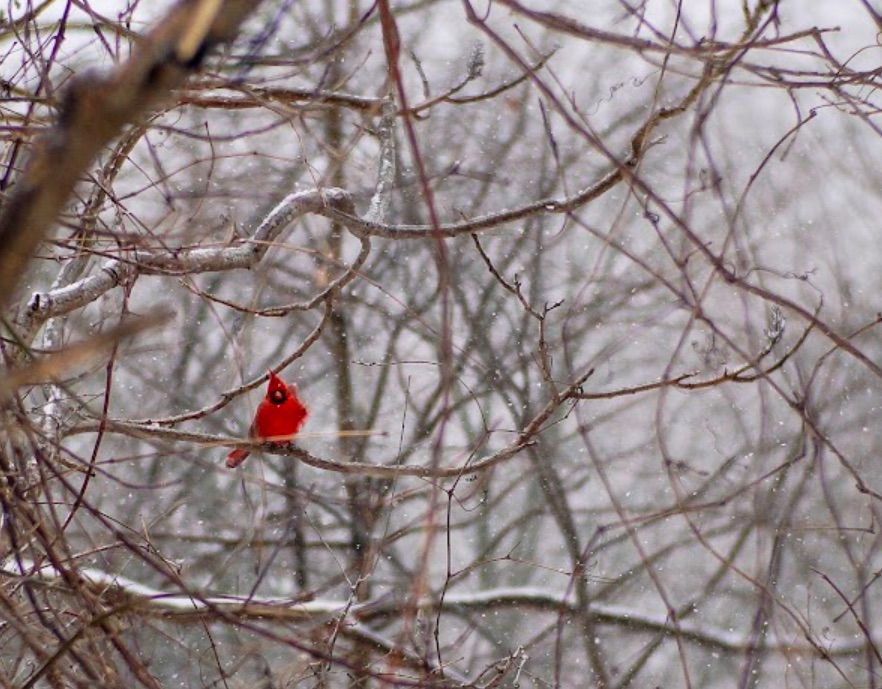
279	417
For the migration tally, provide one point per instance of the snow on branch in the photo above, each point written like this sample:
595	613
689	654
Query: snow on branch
116	272
140	599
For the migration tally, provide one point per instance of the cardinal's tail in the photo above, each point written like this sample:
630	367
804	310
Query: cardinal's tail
236	457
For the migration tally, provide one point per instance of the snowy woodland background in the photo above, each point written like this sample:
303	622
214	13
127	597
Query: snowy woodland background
602	280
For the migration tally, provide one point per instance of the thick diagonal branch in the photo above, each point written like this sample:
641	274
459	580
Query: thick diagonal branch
95	110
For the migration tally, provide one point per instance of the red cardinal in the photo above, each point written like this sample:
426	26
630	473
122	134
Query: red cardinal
280	415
